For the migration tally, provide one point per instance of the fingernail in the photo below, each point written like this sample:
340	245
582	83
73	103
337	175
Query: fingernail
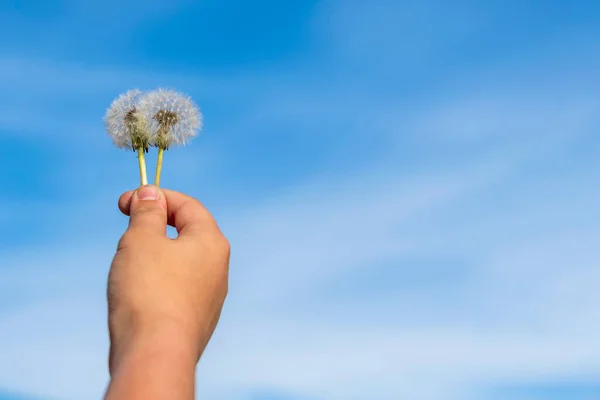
149	192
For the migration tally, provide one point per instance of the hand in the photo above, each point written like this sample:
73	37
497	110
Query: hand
164	295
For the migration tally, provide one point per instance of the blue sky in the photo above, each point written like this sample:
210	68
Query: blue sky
410	189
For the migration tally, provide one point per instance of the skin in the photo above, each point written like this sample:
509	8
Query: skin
164	295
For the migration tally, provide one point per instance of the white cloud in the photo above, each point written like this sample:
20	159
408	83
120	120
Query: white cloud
516	210
303	240
56	348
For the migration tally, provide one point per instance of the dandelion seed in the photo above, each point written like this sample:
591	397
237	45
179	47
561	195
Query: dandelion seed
173	119
127	126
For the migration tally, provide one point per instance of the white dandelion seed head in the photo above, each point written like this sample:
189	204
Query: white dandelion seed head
125	122
173	118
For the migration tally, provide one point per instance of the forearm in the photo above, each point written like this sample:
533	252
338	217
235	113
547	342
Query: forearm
157	366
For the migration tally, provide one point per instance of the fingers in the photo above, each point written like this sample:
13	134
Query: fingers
148	210
187	214
125	202
184	213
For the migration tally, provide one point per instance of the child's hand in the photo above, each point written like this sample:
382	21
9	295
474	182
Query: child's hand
164	295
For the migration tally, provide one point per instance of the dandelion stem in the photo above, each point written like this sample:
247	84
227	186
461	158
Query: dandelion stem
142	163
159	160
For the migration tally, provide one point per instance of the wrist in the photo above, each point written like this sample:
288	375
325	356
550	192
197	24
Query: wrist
163	341
157	363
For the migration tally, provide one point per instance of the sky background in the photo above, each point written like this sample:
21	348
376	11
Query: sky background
410	188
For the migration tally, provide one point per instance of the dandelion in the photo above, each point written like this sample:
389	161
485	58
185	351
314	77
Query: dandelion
127	126
173	119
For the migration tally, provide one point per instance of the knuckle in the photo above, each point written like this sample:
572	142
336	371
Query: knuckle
221	249
225	254
126	241
224	244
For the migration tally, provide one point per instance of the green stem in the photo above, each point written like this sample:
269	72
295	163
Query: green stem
142	163
159	160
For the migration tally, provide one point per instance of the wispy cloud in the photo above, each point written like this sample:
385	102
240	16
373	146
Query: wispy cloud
433	238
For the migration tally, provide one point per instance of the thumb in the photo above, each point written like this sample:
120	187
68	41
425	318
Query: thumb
148	210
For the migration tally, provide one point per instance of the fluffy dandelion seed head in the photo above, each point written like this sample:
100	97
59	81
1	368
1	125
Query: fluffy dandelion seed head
125	123
173	118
